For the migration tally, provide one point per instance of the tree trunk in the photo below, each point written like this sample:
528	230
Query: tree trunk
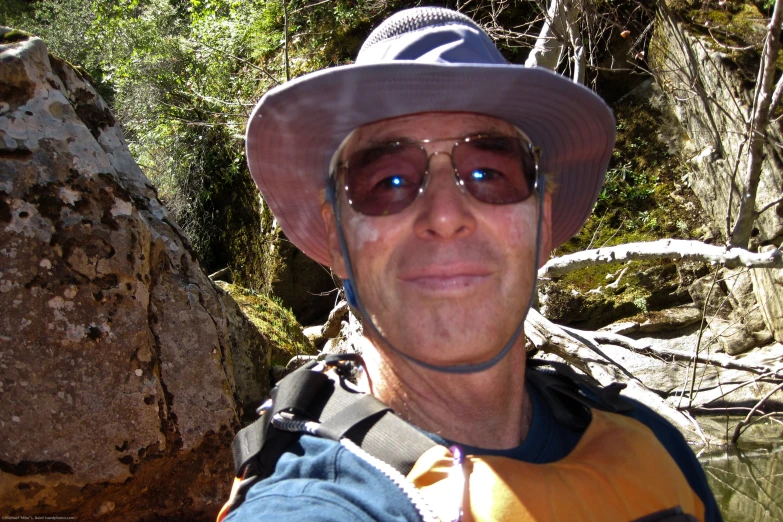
551	41
759	119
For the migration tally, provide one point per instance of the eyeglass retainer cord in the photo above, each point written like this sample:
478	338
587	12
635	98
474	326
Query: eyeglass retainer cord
352	293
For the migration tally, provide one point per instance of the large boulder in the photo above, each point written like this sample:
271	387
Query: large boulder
122	381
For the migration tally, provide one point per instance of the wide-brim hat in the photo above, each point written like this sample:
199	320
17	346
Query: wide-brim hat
423	60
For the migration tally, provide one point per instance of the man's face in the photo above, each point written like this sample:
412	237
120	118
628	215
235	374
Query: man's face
448	279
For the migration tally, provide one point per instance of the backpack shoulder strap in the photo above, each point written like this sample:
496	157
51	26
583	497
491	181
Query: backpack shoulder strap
571	395
336	411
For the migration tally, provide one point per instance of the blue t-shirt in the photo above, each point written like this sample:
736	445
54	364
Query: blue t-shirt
319	479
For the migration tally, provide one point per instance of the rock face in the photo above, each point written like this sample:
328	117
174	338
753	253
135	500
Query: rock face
768	285
304	286
712	102
122	382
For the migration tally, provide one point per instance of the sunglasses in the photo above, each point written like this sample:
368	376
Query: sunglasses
387	178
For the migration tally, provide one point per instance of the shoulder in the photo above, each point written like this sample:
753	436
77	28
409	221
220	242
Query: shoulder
676	445
318	479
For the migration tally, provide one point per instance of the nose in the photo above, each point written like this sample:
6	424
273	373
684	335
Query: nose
444	211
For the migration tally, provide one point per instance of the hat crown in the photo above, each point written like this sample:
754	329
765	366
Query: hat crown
429	34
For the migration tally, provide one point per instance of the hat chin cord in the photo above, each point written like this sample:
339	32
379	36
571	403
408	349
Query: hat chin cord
353	298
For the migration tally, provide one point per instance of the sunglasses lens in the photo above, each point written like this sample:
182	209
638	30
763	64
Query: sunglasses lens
497	170
386	179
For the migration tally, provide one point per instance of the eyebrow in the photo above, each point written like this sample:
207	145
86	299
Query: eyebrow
404	139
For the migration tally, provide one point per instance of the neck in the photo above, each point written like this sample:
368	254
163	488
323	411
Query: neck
488	409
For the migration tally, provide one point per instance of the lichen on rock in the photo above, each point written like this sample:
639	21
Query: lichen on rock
120	368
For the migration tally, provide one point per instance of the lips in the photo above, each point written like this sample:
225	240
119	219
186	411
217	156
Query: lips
446	278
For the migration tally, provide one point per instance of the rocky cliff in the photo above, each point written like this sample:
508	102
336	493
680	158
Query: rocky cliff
124	373
711	91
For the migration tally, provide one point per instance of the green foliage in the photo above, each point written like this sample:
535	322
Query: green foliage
62	24
627	187
641	304
638	202
183	77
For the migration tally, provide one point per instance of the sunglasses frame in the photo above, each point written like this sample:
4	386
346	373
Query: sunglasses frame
522	138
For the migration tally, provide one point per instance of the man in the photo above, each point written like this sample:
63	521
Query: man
419	174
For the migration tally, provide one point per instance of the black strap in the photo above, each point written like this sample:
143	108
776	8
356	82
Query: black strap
394	441
247	443
304	393
340	412
337	425
570	395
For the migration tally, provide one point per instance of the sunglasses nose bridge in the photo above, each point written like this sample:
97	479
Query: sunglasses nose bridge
454	172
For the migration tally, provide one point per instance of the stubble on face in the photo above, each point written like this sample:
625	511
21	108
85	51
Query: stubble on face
448	279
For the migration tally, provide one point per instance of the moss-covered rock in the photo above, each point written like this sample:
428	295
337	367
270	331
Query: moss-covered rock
644	198
599	295
274	320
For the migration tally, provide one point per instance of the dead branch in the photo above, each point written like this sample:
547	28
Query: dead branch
770	204
285	41
698	342
663	249
747	420
719	359
776	95
221	274
760	377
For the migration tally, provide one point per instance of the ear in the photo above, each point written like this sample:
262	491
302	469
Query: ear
546	231
333	240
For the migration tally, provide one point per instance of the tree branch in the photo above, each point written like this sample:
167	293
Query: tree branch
641	347
757	131
550	43
746	420
776	97
662	249
769	205
237	58
285	36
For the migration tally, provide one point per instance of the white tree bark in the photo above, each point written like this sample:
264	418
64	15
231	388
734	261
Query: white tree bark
577	45
662	249
559	34
550	43
757	131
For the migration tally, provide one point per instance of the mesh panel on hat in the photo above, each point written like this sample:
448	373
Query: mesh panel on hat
414	19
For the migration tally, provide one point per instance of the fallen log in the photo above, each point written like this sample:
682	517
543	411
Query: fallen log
718	359
679	249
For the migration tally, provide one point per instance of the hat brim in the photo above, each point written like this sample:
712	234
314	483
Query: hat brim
296	127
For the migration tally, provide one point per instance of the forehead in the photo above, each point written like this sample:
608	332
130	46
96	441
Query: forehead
428	125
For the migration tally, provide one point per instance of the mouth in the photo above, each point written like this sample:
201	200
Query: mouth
446	279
